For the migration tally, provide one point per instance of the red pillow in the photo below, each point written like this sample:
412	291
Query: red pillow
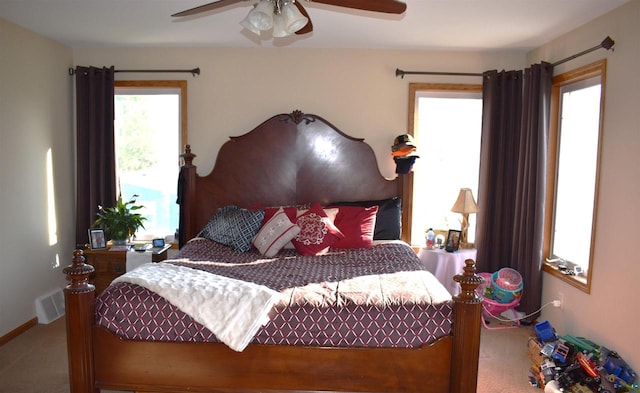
269	212
357	224
317	233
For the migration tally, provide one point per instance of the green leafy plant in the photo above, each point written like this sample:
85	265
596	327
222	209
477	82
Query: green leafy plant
120	221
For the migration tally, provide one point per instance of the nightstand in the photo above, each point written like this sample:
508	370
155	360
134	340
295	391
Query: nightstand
110	264
444	265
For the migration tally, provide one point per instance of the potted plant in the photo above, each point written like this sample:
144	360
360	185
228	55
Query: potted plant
121	221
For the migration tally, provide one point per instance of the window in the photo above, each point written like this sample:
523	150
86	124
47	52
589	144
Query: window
572	189
150	130
447	123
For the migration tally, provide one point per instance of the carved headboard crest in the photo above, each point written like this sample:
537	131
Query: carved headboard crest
297	116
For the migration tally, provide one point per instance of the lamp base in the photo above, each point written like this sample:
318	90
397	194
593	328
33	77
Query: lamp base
465	245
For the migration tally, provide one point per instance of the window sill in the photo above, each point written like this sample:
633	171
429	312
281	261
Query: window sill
578	281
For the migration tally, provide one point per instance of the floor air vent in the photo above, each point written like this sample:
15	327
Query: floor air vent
50	307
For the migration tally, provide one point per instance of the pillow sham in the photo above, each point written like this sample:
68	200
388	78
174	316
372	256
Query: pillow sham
275	233
357	224
317	232
388	219
234	227
269	212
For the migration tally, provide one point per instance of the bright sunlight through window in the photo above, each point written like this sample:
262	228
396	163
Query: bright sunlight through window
447	134
147	138
576	172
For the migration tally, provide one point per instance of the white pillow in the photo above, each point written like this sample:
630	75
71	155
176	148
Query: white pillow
275	233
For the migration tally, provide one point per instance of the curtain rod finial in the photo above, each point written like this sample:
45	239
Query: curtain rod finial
399	73
608	43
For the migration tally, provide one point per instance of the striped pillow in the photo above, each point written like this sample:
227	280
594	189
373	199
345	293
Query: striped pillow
275	233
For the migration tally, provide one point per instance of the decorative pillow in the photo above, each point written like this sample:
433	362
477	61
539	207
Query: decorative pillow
275	233
269	212
234	227
357	224
317	232
331	213
293	215
388	219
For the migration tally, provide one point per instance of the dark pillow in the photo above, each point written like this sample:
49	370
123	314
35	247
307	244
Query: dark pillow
388	219
234	227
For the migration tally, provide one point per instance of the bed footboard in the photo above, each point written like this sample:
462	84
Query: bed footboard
79	297
467	313
99	359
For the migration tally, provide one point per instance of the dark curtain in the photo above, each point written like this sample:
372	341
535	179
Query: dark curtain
95	165
513	167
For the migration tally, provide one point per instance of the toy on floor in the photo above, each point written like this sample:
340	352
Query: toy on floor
574	364
501	293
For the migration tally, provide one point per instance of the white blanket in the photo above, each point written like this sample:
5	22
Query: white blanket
232	309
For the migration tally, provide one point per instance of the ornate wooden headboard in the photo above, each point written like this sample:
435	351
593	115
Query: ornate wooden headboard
290	159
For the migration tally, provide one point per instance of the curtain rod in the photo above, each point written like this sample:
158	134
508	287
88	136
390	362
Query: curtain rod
607	44
193	72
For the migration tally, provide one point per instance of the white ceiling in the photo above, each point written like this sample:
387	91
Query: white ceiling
427	24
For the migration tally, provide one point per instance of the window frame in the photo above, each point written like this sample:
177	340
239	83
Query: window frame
406	181
163	84
596	69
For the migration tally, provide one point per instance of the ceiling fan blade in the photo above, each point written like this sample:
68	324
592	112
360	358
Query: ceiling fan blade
386	6
207	7
308	28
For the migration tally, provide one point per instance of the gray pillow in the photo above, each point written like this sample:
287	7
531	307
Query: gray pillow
234	227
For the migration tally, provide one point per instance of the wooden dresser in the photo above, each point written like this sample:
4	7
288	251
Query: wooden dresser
110	264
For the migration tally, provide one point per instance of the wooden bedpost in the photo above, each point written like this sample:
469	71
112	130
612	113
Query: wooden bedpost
186	197
466	331
79	304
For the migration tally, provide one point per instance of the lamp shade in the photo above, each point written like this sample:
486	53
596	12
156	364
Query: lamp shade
465	203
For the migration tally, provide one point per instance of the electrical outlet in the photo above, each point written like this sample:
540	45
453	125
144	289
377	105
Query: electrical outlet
561	298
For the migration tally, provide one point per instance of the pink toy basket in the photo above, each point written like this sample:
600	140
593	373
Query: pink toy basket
491	307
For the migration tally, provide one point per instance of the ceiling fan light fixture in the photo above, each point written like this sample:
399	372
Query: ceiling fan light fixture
246	23
293	18
261	16
279	27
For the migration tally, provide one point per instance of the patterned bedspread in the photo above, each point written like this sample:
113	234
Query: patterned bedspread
378	297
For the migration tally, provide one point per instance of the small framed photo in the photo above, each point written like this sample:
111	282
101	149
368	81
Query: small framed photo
453	240
157	243
97	239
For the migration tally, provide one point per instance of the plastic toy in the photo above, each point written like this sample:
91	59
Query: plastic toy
615	365
561	353
581	344
545	331
588	365
493	308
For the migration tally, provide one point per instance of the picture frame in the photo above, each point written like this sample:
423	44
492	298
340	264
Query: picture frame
97	239
453	240
157	243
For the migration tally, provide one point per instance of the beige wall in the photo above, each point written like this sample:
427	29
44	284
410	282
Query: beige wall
35	102
610	314
356	90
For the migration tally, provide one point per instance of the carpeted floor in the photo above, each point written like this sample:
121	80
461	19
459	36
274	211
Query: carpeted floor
36	361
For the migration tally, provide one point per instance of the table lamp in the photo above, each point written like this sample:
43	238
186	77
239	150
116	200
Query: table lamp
465	204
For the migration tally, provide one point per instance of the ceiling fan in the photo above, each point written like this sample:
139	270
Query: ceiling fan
287	17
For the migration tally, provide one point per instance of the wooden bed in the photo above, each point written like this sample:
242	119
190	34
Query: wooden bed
290	159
